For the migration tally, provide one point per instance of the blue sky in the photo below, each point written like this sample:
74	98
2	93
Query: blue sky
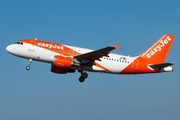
135	25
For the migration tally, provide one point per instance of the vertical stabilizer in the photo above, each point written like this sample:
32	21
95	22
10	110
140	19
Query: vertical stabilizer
157	52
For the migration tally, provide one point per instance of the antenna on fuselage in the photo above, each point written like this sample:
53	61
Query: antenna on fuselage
35	38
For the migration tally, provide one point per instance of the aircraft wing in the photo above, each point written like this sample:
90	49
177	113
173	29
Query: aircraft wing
95	55
163	65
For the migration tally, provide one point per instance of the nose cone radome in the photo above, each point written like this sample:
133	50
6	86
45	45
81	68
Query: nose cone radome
9	48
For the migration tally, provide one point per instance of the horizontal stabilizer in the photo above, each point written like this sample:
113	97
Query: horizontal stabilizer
163	65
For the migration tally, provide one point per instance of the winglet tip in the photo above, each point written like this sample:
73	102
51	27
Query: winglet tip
117	47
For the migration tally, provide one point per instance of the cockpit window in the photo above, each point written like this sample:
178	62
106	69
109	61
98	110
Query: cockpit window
20	43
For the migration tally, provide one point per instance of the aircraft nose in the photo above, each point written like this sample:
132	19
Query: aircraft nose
9	48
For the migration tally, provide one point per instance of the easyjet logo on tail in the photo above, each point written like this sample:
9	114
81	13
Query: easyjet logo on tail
159	47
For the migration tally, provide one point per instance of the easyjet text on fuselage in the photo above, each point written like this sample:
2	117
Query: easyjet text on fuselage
55	46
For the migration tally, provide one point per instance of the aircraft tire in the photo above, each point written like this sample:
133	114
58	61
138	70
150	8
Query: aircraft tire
84	75
81	79
28	68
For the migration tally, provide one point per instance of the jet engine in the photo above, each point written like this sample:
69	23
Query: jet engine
61	65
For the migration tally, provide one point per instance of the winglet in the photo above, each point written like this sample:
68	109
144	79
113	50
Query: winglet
117	47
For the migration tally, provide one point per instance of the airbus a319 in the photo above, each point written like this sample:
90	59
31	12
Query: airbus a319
67	59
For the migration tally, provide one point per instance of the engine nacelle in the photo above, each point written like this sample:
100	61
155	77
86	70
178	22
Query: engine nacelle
61	65
61	61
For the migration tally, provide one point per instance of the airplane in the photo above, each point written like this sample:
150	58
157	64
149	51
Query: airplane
67	59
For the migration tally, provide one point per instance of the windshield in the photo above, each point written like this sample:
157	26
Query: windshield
20	43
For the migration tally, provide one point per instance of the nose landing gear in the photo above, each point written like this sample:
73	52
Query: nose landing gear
28	67
83	76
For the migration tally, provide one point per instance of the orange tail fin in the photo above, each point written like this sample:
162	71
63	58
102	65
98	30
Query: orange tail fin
157	52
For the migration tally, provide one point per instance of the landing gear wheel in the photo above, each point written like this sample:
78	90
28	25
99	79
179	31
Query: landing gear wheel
28	68
81	79
84	75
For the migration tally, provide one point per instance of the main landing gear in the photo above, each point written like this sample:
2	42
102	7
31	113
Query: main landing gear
28	67
83	76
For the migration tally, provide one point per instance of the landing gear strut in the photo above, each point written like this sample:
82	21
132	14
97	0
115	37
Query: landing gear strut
83	76
28	67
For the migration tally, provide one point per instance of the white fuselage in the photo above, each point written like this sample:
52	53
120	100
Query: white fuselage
113	64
